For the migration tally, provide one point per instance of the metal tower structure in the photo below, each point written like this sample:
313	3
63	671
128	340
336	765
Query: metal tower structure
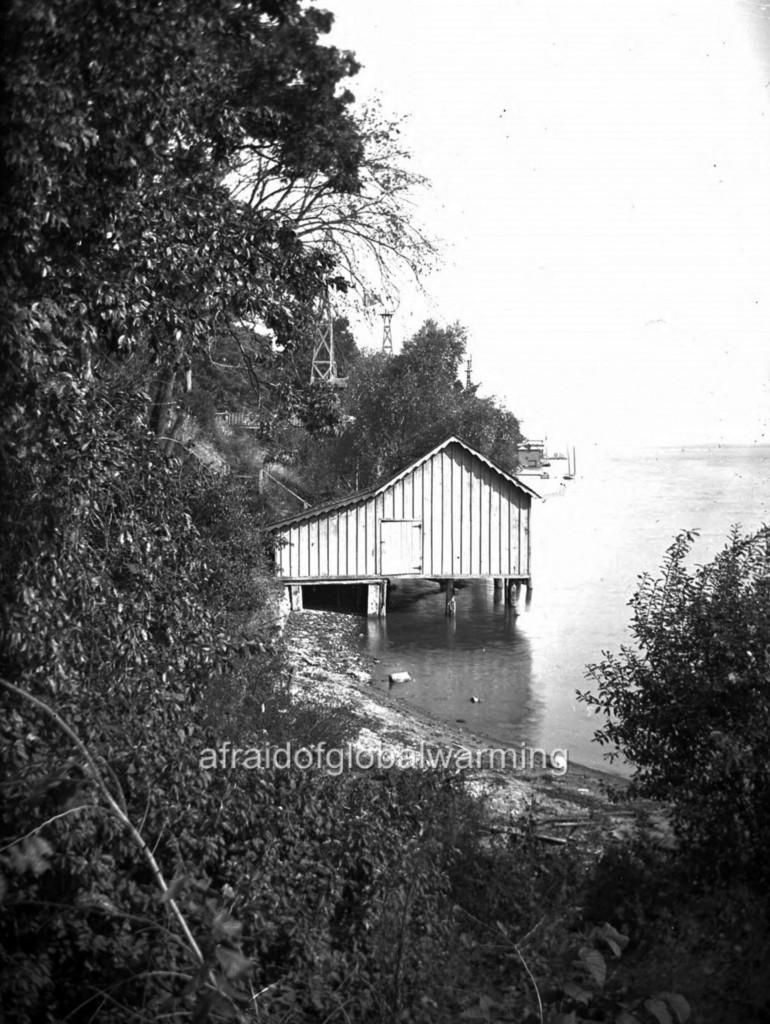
387	336
468	372
324	365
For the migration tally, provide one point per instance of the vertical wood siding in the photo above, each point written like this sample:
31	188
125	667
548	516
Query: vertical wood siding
474	523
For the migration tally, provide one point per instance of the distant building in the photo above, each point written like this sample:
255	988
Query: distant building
246	418
531	454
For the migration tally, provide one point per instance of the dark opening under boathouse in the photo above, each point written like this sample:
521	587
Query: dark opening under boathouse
450	515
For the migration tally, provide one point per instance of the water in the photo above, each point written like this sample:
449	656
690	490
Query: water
591	540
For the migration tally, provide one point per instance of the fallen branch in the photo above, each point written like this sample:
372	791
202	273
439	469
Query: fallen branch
115	809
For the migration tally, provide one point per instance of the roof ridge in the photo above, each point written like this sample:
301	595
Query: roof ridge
375	489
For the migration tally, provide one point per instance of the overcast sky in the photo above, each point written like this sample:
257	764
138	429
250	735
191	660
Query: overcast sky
601	180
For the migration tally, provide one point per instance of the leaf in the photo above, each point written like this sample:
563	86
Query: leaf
576	992
626	1018
678	1004
594	963
612	938
226	926
30	855
233	963
174	886
659	1010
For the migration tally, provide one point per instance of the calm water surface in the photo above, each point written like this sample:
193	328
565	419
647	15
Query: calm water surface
590	541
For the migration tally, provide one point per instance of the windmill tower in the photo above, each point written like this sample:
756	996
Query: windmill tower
324	367
387	336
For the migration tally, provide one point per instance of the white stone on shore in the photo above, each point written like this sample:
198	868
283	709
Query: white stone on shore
359	676
399	677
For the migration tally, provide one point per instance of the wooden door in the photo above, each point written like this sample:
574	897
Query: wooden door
400	547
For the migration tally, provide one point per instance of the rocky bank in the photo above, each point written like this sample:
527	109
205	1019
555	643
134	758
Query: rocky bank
328	668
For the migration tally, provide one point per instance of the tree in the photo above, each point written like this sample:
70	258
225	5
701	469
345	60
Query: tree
397	408
127	577
370	234
688	706
124	253
121	122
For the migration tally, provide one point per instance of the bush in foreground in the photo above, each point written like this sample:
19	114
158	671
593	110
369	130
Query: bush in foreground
134	885
689	705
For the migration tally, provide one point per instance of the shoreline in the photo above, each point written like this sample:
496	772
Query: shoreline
328	668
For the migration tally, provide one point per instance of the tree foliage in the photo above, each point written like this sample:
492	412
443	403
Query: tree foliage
688	706
371	233
135	885
128	578
129	584
121	122
397	408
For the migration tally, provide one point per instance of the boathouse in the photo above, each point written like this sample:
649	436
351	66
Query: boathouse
450	515
531	454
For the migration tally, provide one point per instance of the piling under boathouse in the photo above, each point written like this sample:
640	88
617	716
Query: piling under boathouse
450	515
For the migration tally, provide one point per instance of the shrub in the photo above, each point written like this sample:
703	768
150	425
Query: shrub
689	705
127	580
106	626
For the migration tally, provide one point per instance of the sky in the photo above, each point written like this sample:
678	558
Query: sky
601	186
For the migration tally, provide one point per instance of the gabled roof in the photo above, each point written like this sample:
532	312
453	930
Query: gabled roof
357	496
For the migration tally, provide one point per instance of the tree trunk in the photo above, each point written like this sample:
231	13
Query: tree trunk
163	401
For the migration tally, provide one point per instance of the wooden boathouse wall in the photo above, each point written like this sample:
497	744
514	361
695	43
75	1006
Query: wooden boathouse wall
452	514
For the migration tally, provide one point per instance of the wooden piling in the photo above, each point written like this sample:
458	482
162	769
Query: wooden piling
450	598
376	599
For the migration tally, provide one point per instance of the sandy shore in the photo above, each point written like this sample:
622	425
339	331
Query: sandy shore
329	668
